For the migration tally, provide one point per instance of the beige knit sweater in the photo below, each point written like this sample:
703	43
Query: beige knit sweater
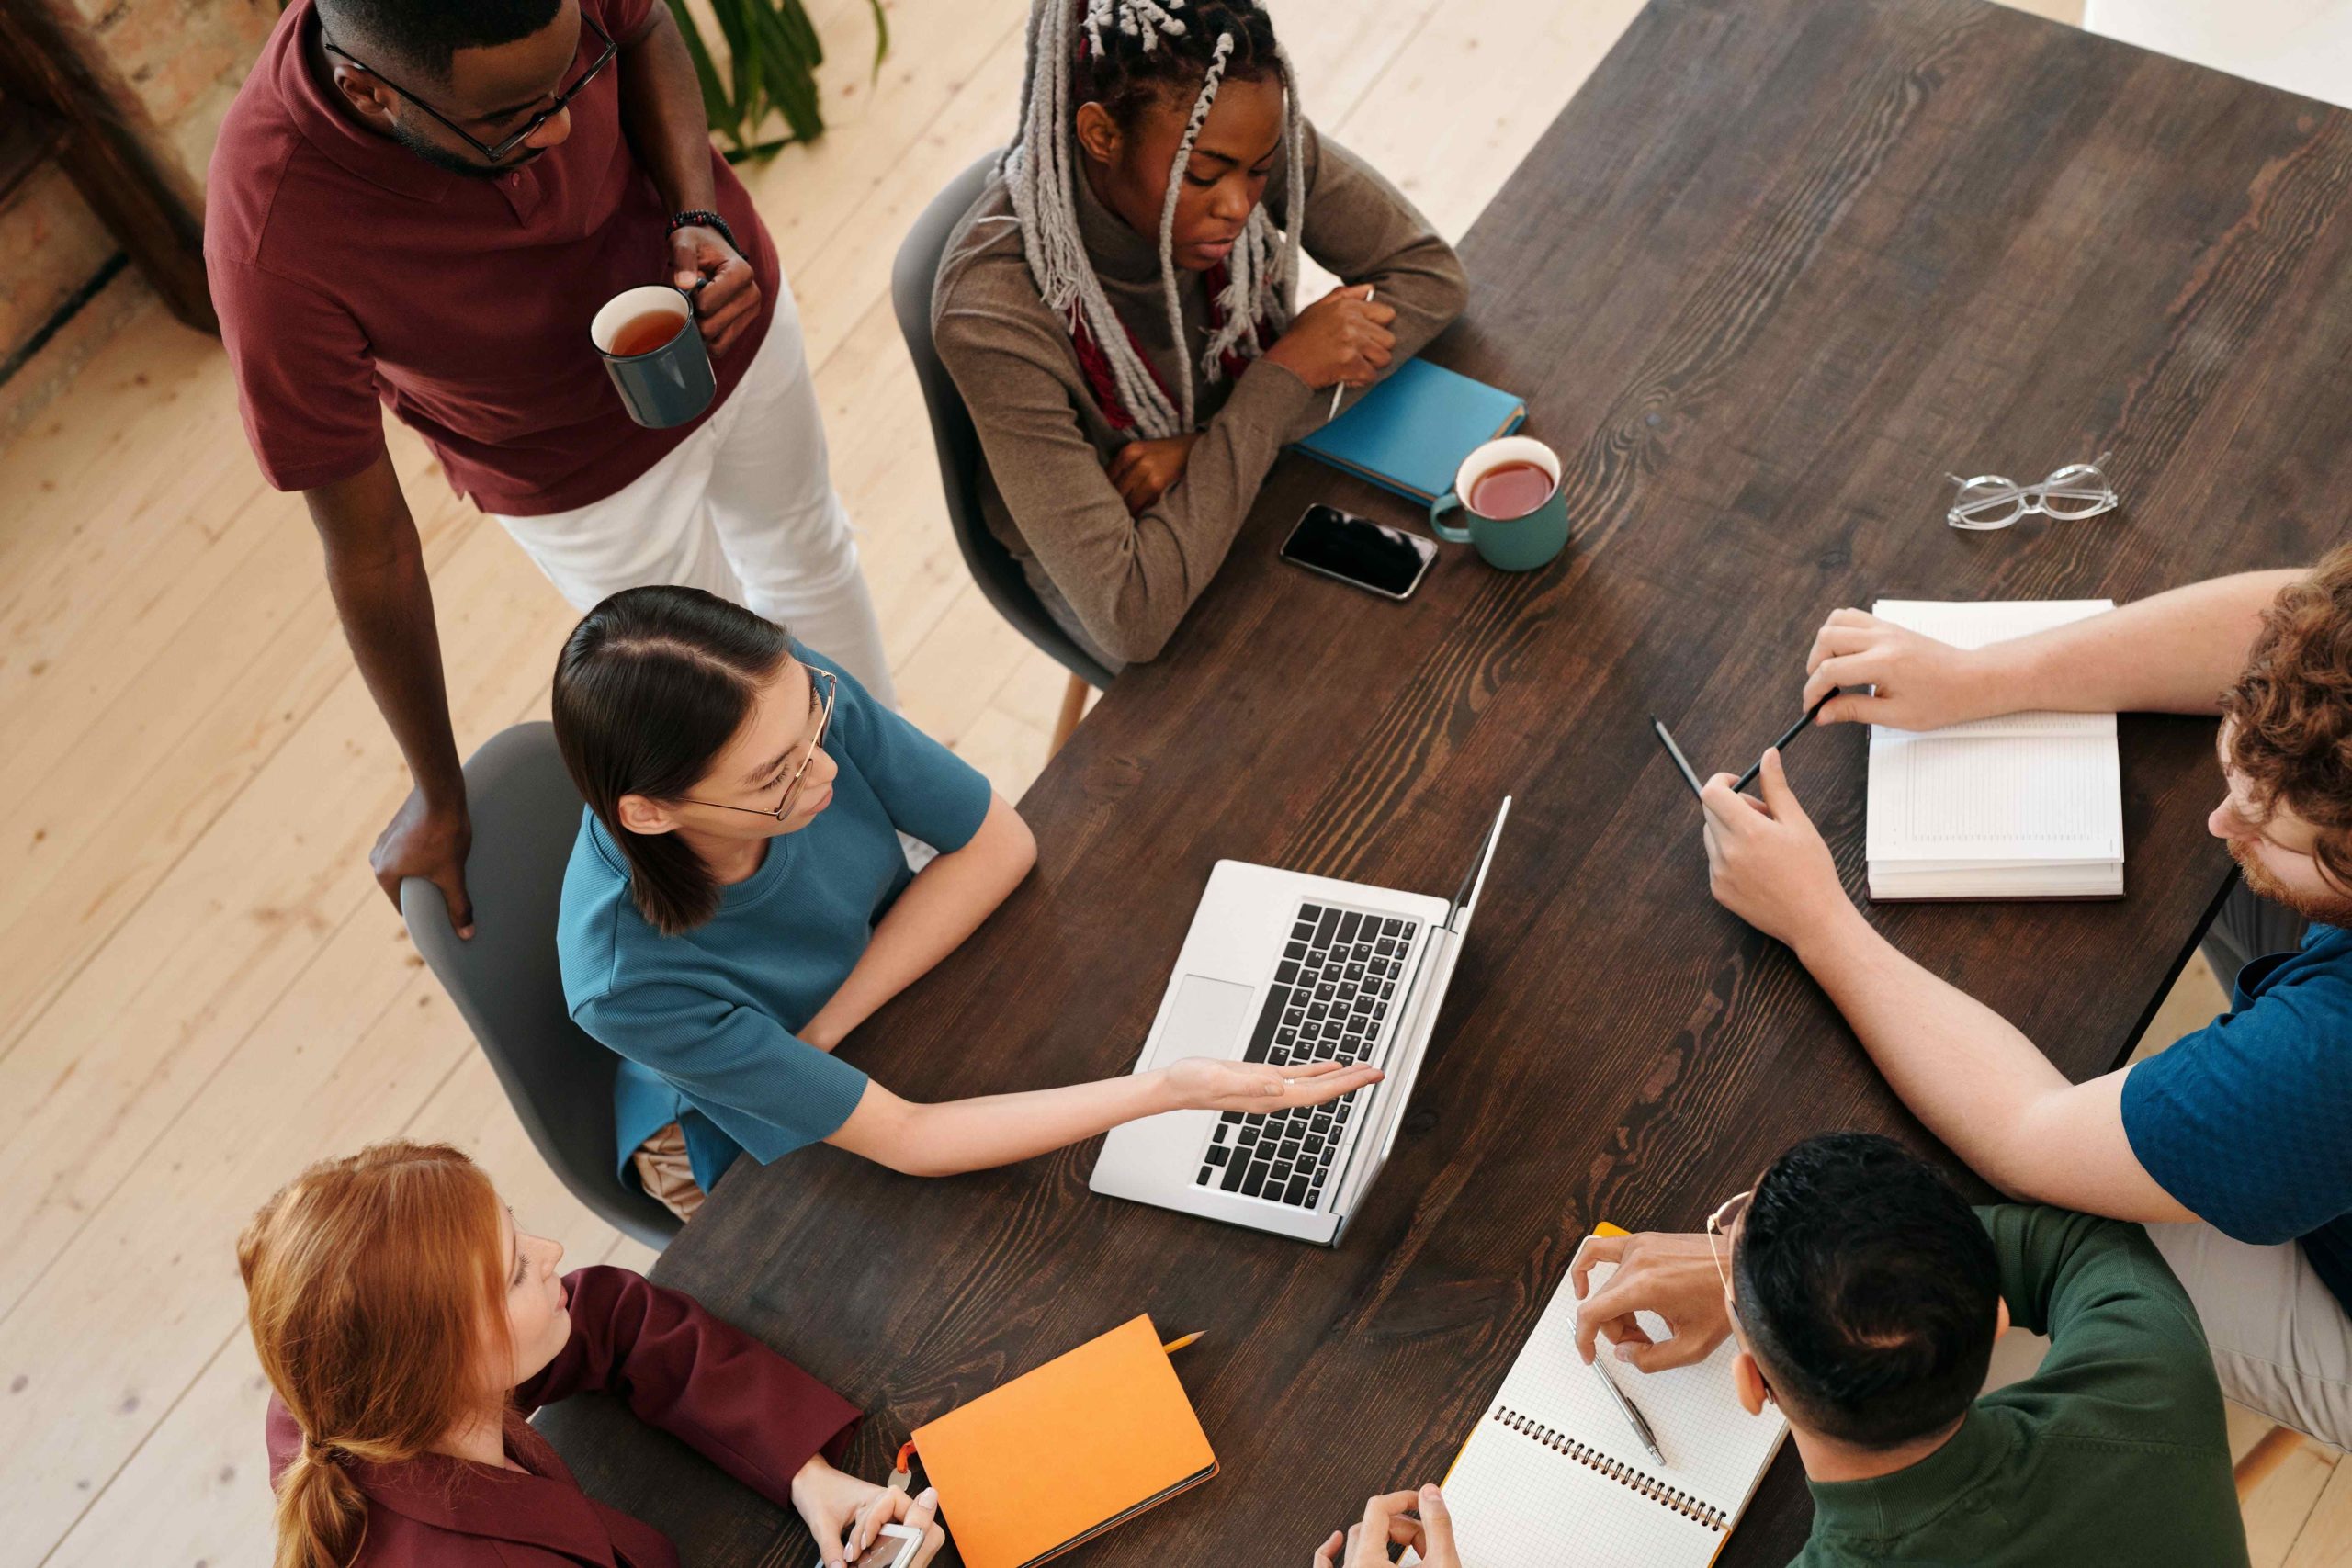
1129	580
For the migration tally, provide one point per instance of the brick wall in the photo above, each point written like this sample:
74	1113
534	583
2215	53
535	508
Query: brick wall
179	62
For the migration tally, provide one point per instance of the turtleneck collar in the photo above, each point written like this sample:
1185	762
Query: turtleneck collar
1119	254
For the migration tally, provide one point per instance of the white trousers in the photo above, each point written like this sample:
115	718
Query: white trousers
744	507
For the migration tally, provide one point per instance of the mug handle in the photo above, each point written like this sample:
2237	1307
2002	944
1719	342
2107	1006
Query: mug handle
1447	503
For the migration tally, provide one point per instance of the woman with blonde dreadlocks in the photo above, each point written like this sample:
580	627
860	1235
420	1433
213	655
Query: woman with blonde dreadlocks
1117	310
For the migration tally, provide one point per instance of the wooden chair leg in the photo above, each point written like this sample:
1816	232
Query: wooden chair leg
2276	1446
1073	706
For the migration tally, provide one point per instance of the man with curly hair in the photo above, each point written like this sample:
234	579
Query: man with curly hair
2235	1145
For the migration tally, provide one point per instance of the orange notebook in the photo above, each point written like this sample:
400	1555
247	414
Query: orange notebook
1059	1455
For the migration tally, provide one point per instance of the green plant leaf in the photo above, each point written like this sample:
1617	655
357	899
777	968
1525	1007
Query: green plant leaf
746	101
758	149
804	31
787	74
773	53
718	108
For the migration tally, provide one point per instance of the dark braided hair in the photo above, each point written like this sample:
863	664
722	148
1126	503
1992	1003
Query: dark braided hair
1122	53
1127	78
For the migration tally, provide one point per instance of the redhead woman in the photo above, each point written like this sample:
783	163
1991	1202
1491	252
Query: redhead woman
739	901
408	1327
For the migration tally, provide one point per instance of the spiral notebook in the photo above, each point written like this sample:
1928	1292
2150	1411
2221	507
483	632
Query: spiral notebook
2021	806
1554	1473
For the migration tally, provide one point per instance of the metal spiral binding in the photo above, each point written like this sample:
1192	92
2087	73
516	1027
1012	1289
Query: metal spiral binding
1674	1497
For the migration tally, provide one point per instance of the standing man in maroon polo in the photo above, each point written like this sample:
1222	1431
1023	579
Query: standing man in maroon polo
421	204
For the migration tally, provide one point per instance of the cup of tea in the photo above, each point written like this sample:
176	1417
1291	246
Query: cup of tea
1510	491
655	355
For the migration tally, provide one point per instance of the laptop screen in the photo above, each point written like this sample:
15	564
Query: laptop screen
1466	899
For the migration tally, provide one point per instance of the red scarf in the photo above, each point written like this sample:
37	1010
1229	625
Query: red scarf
1096	365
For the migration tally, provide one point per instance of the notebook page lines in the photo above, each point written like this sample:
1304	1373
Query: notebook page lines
2026	797
2008	725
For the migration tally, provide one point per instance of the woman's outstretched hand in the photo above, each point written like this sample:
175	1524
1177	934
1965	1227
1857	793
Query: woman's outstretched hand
1213	1083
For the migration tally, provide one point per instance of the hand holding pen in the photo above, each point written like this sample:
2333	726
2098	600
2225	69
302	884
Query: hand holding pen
1342	340
1341	390
1690	775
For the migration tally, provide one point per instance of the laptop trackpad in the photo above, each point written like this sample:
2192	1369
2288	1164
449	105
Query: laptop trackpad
1209	1018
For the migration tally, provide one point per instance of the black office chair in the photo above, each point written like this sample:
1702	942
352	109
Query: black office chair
506	982
990	564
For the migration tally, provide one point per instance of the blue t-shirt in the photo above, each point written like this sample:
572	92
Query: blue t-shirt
705	1021
2248	1121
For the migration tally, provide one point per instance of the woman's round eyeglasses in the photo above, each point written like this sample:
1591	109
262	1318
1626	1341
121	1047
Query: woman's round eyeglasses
824	707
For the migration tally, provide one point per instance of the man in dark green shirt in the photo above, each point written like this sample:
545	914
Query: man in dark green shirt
1866	1297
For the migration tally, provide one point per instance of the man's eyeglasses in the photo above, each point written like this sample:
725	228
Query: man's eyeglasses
824	706
1719	1225
496	154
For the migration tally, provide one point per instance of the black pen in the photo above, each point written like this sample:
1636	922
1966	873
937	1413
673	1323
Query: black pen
1786	736
1681	761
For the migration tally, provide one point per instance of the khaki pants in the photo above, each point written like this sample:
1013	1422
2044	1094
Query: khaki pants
663	1171
2281	1341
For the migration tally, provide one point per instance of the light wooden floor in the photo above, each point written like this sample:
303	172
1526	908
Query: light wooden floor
204	988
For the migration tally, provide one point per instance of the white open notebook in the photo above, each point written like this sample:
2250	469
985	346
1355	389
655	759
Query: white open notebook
2025	806
1554	1473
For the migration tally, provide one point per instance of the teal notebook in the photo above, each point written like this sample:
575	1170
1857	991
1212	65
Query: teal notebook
1411	433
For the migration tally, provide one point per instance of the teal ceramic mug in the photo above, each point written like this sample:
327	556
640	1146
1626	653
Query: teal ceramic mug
1497	476
654	353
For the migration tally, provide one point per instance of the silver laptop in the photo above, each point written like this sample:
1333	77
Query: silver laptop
1282	967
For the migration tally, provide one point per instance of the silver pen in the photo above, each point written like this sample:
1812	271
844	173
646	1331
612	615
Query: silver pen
1633	1416
1341	390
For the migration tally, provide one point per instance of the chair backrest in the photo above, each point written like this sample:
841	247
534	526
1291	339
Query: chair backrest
506	982
990	564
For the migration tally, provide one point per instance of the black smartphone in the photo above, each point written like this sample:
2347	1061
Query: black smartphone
1377	559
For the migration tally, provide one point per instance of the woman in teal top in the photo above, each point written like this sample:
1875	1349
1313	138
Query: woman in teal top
739	901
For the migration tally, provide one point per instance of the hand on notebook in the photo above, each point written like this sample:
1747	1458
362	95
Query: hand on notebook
1921	684
1673	1277
1386	1523
1143	471
1766	862
1214	1083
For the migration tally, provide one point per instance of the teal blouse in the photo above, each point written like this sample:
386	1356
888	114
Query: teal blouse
705	1022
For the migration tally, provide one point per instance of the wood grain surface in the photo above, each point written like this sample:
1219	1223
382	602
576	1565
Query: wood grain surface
1779	267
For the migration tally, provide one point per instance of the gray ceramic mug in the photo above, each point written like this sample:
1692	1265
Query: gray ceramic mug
670	382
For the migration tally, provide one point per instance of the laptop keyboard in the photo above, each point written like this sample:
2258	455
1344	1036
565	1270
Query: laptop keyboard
1332	993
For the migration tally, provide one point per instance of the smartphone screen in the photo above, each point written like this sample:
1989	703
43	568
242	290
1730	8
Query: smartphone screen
1355	550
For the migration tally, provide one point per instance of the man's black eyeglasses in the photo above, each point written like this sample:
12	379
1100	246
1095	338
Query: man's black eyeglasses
495	153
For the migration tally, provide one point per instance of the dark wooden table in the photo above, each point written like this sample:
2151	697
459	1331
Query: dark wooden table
1779	267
